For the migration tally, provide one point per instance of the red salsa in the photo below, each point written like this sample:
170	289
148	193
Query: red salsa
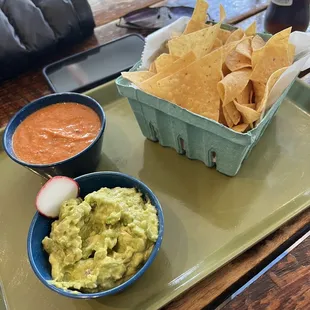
55	133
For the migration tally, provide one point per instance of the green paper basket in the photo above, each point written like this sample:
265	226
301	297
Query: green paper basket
193	135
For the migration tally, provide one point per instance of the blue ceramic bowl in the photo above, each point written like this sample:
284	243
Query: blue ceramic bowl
41	227
84	162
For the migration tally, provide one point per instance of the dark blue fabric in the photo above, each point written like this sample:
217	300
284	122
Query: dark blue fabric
31	28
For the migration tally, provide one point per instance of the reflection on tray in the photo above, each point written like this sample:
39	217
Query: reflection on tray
2	302
106	164
204	182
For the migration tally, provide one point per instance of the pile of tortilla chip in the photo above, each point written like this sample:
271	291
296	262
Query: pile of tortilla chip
219	74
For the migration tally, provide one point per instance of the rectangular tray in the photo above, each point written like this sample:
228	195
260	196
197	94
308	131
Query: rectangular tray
209	218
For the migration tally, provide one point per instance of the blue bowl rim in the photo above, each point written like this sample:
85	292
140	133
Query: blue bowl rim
35	102
131	280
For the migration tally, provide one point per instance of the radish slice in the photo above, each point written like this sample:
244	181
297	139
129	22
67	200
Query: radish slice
54	192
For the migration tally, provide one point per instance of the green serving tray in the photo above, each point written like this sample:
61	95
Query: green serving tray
209	218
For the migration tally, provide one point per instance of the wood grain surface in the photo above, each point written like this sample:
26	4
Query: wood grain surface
285	286
233	8
105	11
213	286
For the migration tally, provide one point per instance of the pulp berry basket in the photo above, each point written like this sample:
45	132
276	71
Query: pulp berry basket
193	135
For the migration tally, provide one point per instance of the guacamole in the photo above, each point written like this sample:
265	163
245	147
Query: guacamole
98	243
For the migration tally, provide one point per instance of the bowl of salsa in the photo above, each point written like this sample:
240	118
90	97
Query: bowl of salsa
59	134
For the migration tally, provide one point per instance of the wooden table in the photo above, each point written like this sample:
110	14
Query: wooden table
286	285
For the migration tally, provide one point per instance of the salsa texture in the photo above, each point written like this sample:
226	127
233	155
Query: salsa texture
55	133
101	242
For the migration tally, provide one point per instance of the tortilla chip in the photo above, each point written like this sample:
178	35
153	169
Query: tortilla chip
251	30
175	34
223	35
150	85
257	43
241	127
194	87
228	120
235	61
200	11
251	94
235	36
137	77
222	13
232	112
199	17
261	106
274	56
250	105
193	26
248	115
200	42
233	84
244	48
259	91
163	61
225	70
222	119
217	43
281	36
244	97
152	67
228	48
256	57
291	52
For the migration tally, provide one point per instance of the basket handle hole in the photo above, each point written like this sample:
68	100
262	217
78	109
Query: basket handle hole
153	132
181	146
213	157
